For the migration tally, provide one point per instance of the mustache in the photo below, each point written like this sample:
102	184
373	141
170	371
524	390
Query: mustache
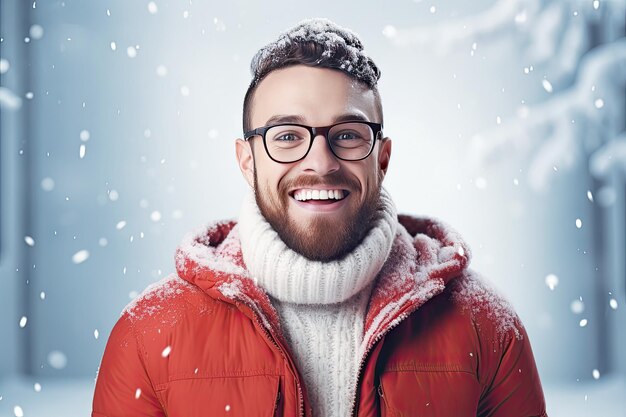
332	180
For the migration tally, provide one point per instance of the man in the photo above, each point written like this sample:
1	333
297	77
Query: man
320	300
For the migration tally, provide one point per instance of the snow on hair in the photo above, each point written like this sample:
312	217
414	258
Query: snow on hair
317	42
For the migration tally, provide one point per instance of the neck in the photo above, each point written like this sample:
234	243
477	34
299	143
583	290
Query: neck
290	277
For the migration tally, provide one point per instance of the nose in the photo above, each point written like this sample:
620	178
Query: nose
320	158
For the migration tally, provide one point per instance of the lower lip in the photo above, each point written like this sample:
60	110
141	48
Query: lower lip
321	207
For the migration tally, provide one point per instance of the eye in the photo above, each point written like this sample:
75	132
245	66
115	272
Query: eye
347	135
286	137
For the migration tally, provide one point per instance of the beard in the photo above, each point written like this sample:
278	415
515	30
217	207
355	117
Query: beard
322	239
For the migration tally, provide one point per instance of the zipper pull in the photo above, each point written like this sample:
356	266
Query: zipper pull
380	390
277	399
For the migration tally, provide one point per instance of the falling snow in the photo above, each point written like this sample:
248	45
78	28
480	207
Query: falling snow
166	352
80	256
552	281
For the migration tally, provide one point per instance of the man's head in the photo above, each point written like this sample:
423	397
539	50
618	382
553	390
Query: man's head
315	74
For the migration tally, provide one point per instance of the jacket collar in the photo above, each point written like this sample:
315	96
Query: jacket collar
426	255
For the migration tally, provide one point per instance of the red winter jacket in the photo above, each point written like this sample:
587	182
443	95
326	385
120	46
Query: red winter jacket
207	342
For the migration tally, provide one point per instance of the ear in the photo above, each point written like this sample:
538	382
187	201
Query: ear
245	159
384	154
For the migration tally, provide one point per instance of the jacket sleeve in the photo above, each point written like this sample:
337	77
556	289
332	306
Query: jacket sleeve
513	388
123	387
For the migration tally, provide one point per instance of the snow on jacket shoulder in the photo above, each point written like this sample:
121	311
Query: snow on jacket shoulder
207	341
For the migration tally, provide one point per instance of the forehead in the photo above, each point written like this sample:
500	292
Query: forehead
318	95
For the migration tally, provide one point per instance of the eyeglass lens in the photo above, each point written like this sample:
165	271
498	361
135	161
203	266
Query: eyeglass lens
350	141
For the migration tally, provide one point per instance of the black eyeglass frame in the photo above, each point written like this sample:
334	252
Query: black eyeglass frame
377	129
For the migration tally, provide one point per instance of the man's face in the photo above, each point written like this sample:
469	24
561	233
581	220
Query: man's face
319	229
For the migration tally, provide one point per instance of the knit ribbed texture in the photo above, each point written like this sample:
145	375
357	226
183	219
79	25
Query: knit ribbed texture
321	305
288	276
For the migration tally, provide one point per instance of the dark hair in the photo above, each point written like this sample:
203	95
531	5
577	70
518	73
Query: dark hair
316	43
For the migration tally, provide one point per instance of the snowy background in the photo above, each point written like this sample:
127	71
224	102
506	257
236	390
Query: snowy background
118	120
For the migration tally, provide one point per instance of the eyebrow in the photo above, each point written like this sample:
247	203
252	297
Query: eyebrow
296	118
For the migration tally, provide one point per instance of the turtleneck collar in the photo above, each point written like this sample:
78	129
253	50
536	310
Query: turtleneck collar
290	277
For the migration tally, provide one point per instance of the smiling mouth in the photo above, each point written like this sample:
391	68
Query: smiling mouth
319	196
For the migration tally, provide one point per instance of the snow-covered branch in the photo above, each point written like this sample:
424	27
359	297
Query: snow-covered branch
559	132
550	34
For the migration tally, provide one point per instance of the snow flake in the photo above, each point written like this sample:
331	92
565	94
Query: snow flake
29	241
103	241
152	7
23	321
42	295
161	70
84	135
213	133
96	334
481	183
613	303
37	387
433	9
137	393
155	216
184	91
589	195
113	195
596	4
599	103
579	223
219	25
596	374
36	32
4	65
577	306
57	359
120	225
80	256
166	352
583	322
389	31
552	281
17	410
131	51
29	95
546	85
81	151
113	46
227	408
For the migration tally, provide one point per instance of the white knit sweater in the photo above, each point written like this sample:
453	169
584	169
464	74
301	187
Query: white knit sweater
321	305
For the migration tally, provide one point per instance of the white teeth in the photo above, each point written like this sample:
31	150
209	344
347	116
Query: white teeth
308	194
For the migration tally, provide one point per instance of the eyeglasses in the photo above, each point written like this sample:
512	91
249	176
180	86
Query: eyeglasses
291	142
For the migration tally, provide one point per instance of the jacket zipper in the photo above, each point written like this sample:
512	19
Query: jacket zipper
401	318
286	358
277	399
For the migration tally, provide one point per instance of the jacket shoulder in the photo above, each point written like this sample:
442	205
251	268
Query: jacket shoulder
493	315
166	302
